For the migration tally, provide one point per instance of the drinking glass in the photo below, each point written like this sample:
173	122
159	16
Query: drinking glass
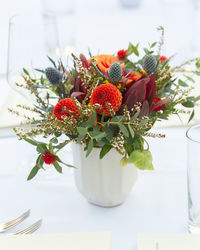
193	178
30	40
65	16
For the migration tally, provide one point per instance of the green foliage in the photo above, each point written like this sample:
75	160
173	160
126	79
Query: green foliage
141	159
133	49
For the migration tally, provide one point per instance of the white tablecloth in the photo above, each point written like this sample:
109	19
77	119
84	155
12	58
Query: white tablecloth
157	203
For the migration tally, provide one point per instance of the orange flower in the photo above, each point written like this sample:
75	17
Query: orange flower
132	76
63	106
104	94
104	62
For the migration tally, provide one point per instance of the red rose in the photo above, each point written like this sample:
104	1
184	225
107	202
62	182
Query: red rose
163	58
122	54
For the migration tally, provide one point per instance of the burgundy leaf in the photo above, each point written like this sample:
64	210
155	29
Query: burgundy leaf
159	104
77	94
151	89
71	78
144	110
134	86
84	61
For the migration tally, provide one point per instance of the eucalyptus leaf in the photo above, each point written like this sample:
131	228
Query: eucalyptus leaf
131	131
124	130
191	116
105	149
33	173
89	147
91	120
82	131
58	167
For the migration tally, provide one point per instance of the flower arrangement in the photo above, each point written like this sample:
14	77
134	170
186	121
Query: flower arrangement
105	101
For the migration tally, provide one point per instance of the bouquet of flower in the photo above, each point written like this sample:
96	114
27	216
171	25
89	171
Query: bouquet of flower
105	101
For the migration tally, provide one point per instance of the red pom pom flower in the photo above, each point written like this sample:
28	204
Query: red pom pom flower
63	106
106	93
163	58
122	54
49	158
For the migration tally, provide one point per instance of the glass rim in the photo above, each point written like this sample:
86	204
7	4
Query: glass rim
189	130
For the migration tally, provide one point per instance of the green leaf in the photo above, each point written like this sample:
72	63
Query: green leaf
182	83
39	161
33	173
198	63
68	165
118	118
105	149
143	122
135	116
80	138
188	104
97	134
141	159
124	130
153	44
131	131
26	72
124	161
58	167
109	132
82	131
133	49
91	120
33	142
62	144
191	116
89	147
54	140
103	115
147	51
52	61
41	148
190	79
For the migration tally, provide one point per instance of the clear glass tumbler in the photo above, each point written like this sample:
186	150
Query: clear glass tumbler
193	177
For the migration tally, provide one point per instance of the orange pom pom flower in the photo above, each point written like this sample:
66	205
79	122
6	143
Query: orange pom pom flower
106	93
63	106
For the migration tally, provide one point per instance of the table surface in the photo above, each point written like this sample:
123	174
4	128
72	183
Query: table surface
157	203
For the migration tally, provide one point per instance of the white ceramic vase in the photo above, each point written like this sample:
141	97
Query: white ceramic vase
103	182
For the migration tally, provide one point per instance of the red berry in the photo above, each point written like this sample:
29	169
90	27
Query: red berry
62	106
122	54
49	158
106	93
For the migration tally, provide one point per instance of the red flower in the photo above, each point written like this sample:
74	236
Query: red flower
106	93
163	58
122	54
155	101
49	158
62	106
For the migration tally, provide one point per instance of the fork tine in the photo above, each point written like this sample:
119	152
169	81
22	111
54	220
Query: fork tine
30	229
7	225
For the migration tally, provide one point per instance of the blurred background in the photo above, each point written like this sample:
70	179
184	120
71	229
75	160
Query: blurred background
31	30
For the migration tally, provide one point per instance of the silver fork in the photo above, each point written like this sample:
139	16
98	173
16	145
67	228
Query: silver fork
31	229
7	225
